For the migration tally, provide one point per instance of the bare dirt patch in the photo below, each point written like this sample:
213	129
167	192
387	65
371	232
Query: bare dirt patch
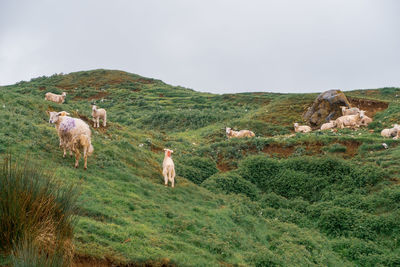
370	106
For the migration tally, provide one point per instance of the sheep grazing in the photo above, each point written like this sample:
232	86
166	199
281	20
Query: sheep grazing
69	131
98	114
301	128
239	134
328	125
55	98
168	168
392	132
350	120
349	111
83	142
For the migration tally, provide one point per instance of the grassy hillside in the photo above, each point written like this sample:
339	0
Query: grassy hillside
279	199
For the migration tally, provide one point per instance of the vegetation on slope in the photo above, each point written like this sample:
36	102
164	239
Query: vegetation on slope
317	199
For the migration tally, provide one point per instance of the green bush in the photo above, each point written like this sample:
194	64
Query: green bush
335	148
196	169
231	182
307	177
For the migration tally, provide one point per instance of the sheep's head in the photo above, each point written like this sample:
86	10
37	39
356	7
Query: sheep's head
362	113
54	116
94	107
228	130
343	108
333	122
64	113
64	94
168	152
296	125
396	126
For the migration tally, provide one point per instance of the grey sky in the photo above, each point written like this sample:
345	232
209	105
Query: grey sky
216	46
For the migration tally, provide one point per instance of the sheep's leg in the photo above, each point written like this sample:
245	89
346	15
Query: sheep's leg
77	157
85	157
105	120
98	122
173	178
165	177
94	122
65	151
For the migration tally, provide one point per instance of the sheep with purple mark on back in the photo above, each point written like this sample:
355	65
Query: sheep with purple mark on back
71	131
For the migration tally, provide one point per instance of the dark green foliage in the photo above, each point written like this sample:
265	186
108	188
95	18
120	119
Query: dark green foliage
231	182
334	148
196	169
307	177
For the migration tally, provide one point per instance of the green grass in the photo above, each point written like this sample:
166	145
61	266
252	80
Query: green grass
219	212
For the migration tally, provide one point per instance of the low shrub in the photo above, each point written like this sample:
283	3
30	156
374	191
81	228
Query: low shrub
231	182
196	169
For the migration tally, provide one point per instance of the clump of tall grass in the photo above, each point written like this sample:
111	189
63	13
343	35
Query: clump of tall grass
36	212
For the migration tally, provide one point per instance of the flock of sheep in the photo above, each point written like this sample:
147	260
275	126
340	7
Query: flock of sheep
75	135
351	118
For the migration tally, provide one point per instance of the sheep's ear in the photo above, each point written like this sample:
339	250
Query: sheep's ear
165	149
47	112
67	113
172	151
59	113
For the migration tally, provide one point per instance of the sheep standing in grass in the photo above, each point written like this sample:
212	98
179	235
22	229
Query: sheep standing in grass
350	120
349	111
328	125
55	98
168	168
97	114
239	134
301	128
392	132
83	142
70	130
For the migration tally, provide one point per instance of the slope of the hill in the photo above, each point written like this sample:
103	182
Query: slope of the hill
332	198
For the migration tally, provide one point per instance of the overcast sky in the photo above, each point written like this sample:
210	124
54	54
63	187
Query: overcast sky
215	46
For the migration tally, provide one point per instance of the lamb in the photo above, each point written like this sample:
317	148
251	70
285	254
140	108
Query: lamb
392	132
98	114
301	128
55	98
83	142
239	134
350	120
168	168
349	111
328	125
365	121
69	129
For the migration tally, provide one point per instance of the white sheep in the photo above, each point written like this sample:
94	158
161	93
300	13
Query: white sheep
349	111
301	128
365	121
98	114
328	125
239	134
69	129
83	142
168	168
391	132
55	98
350	120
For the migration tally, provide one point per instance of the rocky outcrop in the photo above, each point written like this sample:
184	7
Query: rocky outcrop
326	107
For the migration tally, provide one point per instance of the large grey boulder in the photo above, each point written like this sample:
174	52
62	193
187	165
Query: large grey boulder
326	107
